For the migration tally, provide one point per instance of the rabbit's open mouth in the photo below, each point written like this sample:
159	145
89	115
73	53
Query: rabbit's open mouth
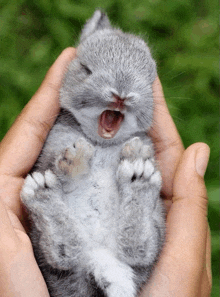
109	123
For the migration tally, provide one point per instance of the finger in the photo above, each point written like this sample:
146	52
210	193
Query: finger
187	219
208	258
179	270
7	232
206	279
168	144
23	142
205	288
10	188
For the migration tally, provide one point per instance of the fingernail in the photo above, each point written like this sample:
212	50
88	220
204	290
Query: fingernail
202	158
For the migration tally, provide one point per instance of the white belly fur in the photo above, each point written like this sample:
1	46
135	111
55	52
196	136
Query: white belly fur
93	200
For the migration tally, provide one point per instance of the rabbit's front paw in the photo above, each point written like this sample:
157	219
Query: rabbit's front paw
137	164
74	160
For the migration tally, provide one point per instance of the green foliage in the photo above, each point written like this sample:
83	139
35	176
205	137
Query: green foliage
182	34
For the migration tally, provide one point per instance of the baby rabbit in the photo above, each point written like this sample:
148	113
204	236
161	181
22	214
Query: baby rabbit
98	222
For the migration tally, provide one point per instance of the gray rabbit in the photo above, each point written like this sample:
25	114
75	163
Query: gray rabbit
98	222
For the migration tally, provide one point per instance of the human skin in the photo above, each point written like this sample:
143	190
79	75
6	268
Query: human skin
184	265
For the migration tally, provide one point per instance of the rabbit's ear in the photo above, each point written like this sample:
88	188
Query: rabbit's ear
99	21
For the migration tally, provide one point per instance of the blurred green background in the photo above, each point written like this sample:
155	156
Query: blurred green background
183	36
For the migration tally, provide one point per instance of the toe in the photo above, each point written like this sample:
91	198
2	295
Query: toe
138	167
39	178
50	178
125	170
156	179
148	169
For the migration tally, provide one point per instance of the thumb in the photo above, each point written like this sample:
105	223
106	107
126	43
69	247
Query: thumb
188	181
187	218
180	267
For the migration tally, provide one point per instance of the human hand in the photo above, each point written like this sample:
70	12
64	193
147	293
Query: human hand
19	272
184	267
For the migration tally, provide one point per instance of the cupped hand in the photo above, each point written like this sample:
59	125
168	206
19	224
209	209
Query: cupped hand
19	272
184	267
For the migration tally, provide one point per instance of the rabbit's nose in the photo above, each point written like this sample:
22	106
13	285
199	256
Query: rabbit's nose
118	102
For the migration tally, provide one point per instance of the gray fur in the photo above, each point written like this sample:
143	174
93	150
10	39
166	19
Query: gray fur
98	219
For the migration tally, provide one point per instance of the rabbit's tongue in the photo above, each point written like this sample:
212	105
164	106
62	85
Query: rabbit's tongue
109	123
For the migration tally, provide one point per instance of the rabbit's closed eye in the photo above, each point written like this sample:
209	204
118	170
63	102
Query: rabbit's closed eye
86	68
